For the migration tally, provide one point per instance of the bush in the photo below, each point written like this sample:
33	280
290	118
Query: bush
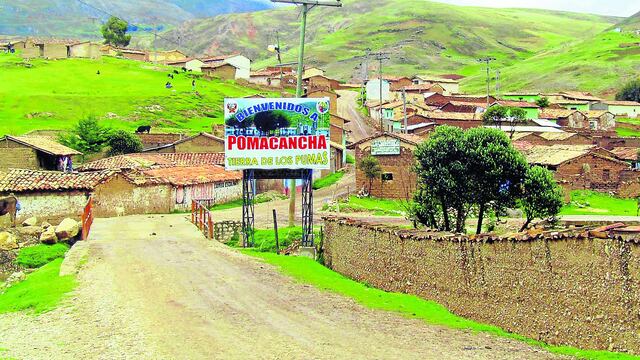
36	256
121	142
351	159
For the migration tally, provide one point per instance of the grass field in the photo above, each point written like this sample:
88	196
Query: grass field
39	255
311	272
328	180
594	203
53	95
41	291
379	207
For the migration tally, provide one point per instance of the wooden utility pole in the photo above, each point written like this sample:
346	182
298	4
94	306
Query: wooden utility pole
306	6
488	61
404	109
380	57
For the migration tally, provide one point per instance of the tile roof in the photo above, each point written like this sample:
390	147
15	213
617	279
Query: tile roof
555	155
626	153
439	115
143	161
521	104
219	57
519	135
555	113
185	176
621	103
22	180
44	144
218	64
556	136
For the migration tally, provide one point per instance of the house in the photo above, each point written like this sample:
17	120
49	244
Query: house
35	153
629	109
628	154
324	93
394	152
312	71
592	120
46	48
581	105
190	64
153	140
266	77
599	120
85	49
372	88
461	120
145	161
572	96
439	100
320	82
240	62
221	71
577	166
209	184
131	54
463	107
12	45
52	196
396	83
450	86
552	138
523	96
200	143
167	56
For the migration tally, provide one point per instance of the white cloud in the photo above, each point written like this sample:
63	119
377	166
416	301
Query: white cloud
610	7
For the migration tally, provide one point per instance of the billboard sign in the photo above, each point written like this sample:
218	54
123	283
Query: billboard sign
287	133
385	147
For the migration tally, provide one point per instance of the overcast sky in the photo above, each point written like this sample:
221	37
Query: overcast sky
609	7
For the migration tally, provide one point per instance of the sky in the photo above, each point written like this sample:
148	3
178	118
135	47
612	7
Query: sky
623	8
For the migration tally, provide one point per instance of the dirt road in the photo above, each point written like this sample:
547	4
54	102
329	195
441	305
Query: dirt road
154	288
348	109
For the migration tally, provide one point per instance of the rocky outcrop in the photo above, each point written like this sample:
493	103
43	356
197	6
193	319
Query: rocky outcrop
8	241
67	230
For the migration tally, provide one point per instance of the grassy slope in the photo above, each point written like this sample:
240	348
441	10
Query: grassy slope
40	292
327	180
422	36
594	203
71	89
41	254
308	271
598	64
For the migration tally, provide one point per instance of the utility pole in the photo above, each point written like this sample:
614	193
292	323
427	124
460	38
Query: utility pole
306	6
488	61
497	83
404	109
380	57
155	40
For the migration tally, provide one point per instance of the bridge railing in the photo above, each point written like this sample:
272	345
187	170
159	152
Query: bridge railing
87	219
201	217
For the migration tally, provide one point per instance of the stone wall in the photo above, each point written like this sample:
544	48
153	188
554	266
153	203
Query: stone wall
562	288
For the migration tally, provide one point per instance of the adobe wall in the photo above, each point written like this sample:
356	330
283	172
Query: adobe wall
573	173
119	193
200	144
401	166
565	288
51	206
18	158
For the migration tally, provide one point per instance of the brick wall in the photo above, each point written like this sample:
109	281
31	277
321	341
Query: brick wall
401	166
572	172
561	289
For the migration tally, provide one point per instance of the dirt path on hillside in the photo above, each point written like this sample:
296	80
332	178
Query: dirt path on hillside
154	288
348	109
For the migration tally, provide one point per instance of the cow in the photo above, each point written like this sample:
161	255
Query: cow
9	205
143	129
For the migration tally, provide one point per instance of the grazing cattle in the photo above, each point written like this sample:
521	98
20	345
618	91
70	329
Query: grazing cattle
143	129
9	205
176	72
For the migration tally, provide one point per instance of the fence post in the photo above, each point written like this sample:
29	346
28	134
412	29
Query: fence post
193	211
210	226
275	227
201	217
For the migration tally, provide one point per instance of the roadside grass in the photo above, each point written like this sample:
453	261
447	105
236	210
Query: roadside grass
55	94
377	206
259	199
351	159
41	291
265	239
328	180
308	271
584	202
36	256
625	132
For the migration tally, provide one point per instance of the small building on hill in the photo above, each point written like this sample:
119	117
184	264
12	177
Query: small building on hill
221	71
35	153
629	109
201	143
166	56
395	155
372	88
320	82
240	62
450	86
194	65
154	140
132	54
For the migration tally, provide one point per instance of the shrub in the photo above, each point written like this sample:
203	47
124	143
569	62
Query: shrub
39	255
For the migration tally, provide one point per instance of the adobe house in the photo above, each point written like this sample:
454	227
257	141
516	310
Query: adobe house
35	153
240	62
201	143
220	71
166	56
190	64
46	48
86	49
630	109
320	82
132	54
398	82
146	161
395	155
153	140
209	184
450	86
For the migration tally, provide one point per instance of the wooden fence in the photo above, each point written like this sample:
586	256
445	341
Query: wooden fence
87	219
201	217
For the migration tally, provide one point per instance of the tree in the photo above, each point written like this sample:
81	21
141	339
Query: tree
370	166
115	32
495	115
121	142
270	121
87	136
442	170
495	171
543	102
630	92
516	116
542	197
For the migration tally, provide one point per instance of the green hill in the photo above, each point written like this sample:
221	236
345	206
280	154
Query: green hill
601	64
52	95
421	36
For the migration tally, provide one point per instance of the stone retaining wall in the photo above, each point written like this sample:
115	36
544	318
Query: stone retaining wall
562	288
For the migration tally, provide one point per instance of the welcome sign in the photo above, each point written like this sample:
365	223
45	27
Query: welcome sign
287	133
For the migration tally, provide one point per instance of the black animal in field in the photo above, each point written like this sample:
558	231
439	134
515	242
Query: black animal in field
143	129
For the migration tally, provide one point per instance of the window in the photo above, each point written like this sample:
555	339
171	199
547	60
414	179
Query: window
593	125
605	174
387	176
